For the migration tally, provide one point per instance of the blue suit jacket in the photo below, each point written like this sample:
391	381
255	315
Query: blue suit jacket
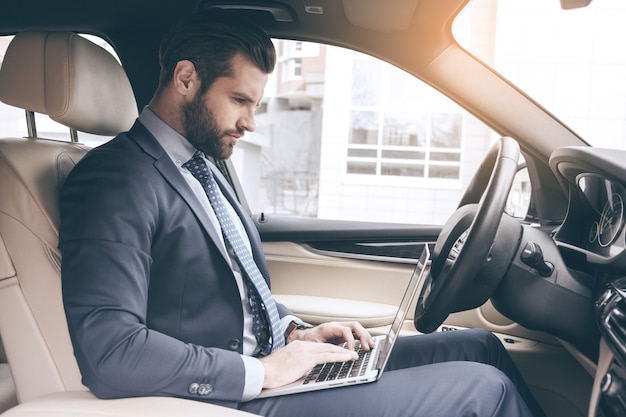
151	302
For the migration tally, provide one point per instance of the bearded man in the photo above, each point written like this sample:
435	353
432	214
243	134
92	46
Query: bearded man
165	285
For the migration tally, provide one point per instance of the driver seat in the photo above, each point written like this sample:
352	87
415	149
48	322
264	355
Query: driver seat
74	82
80	85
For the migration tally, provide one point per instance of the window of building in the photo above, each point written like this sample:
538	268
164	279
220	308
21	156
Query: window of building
292	69
399	126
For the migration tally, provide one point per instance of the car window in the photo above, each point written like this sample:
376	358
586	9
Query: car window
567	60
342	135
13	120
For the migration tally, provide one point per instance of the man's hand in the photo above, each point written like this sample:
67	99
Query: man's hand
297	358
336	332
309	347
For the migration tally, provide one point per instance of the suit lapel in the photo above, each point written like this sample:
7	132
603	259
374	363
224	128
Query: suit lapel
169	171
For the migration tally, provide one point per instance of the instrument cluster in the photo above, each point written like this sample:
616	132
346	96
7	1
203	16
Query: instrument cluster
606	199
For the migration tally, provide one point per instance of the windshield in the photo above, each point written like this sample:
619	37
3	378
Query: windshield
572	62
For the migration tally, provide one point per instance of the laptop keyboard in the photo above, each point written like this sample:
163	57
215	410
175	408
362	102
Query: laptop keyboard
338	370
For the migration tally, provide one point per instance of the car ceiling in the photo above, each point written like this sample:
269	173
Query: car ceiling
313	16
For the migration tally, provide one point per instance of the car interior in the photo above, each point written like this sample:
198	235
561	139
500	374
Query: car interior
552	293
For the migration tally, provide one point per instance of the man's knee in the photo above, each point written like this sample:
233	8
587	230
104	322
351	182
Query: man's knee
499	396
488	345
491	379
485	336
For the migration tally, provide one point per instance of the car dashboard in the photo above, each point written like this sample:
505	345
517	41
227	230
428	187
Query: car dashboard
593	236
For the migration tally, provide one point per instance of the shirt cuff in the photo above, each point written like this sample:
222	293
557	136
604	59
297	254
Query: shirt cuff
255	374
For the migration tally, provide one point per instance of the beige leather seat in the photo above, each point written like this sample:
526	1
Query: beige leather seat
8	396
80	85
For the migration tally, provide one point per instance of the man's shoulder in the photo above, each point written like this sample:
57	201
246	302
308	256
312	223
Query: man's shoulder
123	142
133	145
122	155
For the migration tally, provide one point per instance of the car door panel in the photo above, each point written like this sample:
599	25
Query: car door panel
327	270
321	286
338	261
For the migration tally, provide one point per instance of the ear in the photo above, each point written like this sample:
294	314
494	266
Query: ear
186	80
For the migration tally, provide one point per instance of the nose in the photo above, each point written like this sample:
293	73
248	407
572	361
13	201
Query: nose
247	121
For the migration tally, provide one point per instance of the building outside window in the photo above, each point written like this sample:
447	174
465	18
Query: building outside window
358	128
373	143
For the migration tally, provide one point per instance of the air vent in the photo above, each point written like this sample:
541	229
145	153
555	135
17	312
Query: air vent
613	321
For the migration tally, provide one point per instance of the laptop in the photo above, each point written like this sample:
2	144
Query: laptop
369	367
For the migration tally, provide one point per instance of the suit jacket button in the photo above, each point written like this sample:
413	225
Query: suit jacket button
193	388
205	389
234	344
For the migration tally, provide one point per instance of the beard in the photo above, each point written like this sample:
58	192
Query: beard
203	132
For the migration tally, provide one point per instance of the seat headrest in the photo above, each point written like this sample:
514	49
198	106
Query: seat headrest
71	79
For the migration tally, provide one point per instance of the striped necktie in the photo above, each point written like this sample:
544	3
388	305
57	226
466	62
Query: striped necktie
266	321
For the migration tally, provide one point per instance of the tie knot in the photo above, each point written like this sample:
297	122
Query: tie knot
198	167
197	158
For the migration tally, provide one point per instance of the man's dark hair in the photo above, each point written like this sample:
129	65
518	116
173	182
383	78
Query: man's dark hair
209	41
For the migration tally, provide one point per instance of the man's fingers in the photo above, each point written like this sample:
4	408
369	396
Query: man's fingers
341	355
348	337
348	332
358	332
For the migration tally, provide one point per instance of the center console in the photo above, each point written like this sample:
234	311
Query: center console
610	390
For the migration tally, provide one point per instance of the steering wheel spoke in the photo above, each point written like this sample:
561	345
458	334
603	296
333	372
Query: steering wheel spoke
471	256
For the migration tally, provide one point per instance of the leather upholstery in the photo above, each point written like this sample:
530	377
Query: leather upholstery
32	320
84	404
7	388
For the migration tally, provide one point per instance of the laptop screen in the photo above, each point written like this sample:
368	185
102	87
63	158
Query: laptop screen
417	277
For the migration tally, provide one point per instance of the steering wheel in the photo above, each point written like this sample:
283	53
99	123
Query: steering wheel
476	245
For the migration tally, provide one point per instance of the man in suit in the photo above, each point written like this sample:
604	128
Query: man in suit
157	296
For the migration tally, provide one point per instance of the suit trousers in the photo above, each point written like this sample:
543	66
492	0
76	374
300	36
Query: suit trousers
459	373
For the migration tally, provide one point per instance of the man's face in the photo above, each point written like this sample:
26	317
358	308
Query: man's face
215	121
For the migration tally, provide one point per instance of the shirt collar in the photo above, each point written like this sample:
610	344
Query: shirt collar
175	145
